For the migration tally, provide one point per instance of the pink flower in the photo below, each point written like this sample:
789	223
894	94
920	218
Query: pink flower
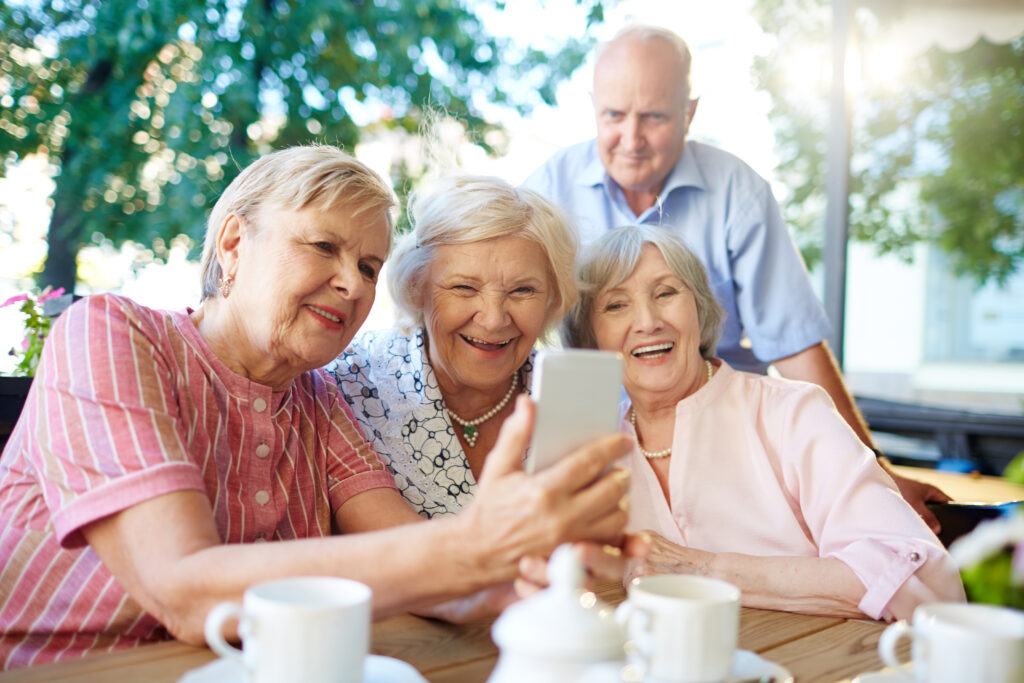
50	295
24	344
15	299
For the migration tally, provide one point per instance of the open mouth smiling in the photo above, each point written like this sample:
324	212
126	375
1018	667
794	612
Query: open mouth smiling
653	350
484	345
330	316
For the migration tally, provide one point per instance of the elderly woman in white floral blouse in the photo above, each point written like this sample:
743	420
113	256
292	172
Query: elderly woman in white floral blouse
486	271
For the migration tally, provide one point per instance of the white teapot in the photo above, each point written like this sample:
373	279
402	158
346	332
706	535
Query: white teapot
562	634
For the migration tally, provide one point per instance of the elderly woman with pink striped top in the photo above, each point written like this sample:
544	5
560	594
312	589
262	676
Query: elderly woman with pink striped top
157	450
752	479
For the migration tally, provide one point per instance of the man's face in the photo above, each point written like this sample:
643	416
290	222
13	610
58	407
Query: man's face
643	109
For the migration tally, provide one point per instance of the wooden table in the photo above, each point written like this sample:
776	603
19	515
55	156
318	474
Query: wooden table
976	488
814	649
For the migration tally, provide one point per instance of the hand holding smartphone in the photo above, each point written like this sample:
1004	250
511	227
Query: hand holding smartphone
577	392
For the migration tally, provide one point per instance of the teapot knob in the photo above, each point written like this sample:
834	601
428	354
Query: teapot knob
565	571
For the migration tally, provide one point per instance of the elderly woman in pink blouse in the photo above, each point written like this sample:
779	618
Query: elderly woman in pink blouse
166	461
751	479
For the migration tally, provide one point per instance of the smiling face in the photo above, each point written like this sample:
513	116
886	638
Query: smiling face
651	319
643	110
484	304
304	283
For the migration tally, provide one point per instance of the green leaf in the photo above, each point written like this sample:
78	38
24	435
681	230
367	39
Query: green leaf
148	110
939	159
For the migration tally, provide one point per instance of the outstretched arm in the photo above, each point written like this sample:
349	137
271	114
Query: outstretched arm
167	553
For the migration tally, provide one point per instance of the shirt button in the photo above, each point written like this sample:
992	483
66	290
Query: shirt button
259	405
915	557
262	451
260	539
262	497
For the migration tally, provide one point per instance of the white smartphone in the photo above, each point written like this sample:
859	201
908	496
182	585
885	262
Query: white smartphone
577	392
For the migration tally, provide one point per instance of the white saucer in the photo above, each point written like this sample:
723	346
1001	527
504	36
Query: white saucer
904	674
376	669
747	664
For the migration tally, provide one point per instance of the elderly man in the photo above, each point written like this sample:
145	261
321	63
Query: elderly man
642	169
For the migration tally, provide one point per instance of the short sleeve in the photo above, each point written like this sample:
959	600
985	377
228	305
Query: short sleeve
778	308
855	513
105	426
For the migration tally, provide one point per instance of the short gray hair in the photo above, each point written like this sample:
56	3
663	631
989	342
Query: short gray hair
296	178
613	258
463	209
644	33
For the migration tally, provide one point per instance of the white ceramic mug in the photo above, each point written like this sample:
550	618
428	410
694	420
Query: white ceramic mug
311	629
956	642
683	628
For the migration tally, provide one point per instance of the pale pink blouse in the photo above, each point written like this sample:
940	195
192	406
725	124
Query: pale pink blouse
767	467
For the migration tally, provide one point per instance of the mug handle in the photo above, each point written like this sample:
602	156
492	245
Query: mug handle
890	638
213	629
626	614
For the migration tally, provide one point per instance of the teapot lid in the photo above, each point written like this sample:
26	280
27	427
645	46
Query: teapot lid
562	619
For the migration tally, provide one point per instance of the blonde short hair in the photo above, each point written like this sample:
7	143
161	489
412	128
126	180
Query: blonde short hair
613	258
462	209
296	178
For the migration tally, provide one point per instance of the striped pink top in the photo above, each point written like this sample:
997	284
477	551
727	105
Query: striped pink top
130	403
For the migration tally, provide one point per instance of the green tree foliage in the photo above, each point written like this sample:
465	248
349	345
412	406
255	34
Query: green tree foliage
147	108
940	158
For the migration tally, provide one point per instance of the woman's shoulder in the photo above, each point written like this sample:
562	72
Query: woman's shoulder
388	365
776	391
108	314
108	304
382	345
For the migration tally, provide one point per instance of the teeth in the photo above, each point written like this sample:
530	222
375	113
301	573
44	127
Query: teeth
653	348
484	341
325	313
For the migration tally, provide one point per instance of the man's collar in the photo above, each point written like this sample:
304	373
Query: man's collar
686	173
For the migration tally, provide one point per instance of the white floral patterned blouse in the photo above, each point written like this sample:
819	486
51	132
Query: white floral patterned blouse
387	379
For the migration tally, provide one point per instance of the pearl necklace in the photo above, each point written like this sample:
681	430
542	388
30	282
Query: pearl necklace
469	427
654	455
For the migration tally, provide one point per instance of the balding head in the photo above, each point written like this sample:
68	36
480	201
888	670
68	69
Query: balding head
642	34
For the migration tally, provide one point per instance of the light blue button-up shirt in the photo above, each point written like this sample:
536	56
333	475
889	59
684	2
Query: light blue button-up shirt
728	216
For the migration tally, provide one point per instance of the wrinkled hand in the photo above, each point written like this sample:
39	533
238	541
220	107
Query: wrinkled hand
665	557
603	563
918	493
515	514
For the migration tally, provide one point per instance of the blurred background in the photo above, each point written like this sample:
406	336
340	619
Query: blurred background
121	122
